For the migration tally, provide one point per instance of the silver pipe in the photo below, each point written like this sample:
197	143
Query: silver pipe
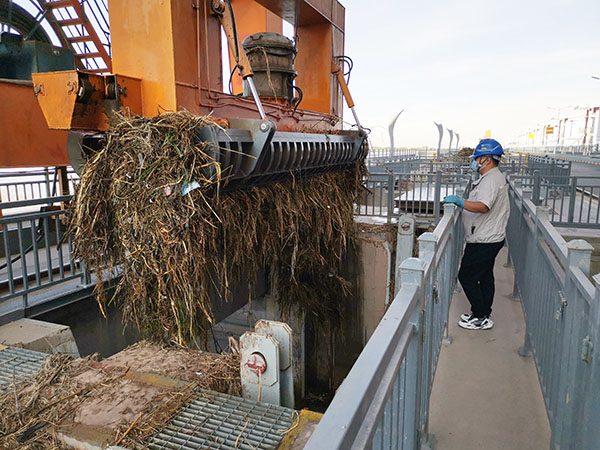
254	92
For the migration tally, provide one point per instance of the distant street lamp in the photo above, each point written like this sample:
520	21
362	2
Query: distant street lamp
391	130
440	128
457	140
451	137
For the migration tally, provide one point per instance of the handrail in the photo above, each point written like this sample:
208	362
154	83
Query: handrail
34	202
391	194
561	306
572	200
384	400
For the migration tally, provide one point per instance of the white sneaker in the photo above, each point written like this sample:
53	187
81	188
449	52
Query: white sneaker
466	317
476	323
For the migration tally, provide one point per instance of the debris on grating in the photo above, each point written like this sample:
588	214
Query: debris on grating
124	398
178	252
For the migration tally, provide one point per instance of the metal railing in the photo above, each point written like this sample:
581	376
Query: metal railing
384	400
419	194
387	153
582	149
421	165
572	201
31	185
548	167
562	315
36	255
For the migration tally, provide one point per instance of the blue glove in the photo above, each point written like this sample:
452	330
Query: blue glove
458	201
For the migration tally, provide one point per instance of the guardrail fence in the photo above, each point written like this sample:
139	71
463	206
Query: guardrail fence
419	194
584	149
562	314
548	167
34	184
375	153
36	254
384	400
571	201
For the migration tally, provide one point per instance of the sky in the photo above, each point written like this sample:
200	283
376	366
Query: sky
472	65
500	65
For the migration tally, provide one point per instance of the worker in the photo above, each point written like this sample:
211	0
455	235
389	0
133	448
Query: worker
485	218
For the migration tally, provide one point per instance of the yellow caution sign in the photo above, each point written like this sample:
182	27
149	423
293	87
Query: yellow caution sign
530	136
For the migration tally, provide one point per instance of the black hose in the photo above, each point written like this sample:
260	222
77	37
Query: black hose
300	96
231	78
350	63
235	35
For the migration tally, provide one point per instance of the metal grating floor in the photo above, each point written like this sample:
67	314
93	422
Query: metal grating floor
18	364
219	421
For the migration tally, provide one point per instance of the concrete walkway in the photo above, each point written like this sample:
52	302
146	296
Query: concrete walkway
485	396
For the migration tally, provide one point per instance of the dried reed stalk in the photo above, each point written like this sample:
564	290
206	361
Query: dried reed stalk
179	253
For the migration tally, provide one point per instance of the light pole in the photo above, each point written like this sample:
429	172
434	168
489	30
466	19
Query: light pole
440	128
451	137
457	140
391	130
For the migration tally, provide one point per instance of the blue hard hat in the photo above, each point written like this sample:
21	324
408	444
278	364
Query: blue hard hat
490	147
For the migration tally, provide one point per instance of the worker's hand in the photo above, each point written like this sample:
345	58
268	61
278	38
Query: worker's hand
458	201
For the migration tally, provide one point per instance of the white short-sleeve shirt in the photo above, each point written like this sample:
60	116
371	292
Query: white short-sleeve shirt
491	190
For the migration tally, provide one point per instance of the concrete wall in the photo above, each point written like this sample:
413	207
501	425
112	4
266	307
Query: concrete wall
39	336
375	275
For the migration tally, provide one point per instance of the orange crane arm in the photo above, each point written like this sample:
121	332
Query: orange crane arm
337	71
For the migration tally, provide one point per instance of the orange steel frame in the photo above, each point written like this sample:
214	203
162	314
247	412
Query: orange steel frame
174	48
25	140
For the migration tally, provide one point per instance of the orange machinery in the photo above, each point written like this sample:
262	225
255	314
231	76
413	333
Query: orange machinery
167	55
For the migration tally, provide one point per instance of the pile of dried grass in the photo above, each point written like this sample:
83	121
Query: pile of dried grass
465	151
178	251
31	408
35	410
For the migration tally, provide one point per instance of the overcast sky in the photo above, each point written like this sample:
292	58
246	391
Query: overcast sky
472	65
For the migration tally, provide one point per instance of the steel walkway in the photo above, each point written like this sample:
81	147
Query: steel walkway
486	396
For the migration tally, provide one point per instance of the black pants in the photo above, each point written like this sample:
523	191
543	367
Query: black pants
476	276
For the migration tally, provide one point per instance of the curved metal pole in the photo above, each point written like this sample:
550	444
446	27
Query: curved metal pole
391	130
440	128
457	140
451	137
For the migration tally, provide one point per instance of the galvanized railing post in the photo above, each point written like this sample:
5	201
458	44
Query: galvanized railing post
390	197
591	425
412	272
572	199
537	179
436	196
47	181
404	245
578	255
